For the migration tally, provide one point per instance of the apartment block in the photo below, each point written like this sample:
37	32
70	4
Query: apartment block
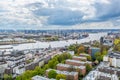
104	72
97	75
78	63
66	67
113	58
75	62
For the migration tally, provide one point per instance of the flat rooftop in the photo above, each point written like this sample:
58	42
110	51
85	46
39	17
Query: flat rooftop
67	65
75	61
79	57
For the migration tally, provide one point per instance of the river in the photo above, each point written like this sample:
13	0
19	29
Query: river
54	44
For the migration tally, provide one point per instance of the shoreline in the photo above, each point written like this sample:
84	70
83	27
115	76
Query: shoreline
55	44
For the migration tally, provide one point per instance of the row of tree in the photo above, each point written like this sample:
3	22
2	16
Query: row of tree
117	45
77	48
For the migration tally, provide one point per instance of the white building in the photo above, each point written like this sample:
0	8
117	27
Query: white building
113	58
105	58
109	40
3	66
97	75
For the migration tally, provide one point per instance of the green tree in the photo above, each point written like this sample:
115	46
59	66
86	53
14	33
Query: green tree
46	67
81	49
99	56
89	58
104	49
88	68
104	52
52	74
18	78
60	76
7	77
38	71
117	47
96	44
81	76
50	64
27	75
73	47
55	63
63	61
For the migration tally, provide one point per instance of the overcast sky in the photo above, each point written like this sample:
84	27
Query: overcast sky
59	14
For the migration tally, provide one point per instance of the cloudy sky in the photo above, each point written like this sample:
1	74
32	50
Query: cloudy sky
59	14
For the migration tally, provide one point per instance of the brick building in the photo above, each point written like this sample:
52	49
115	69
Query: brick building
75	63
66	67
